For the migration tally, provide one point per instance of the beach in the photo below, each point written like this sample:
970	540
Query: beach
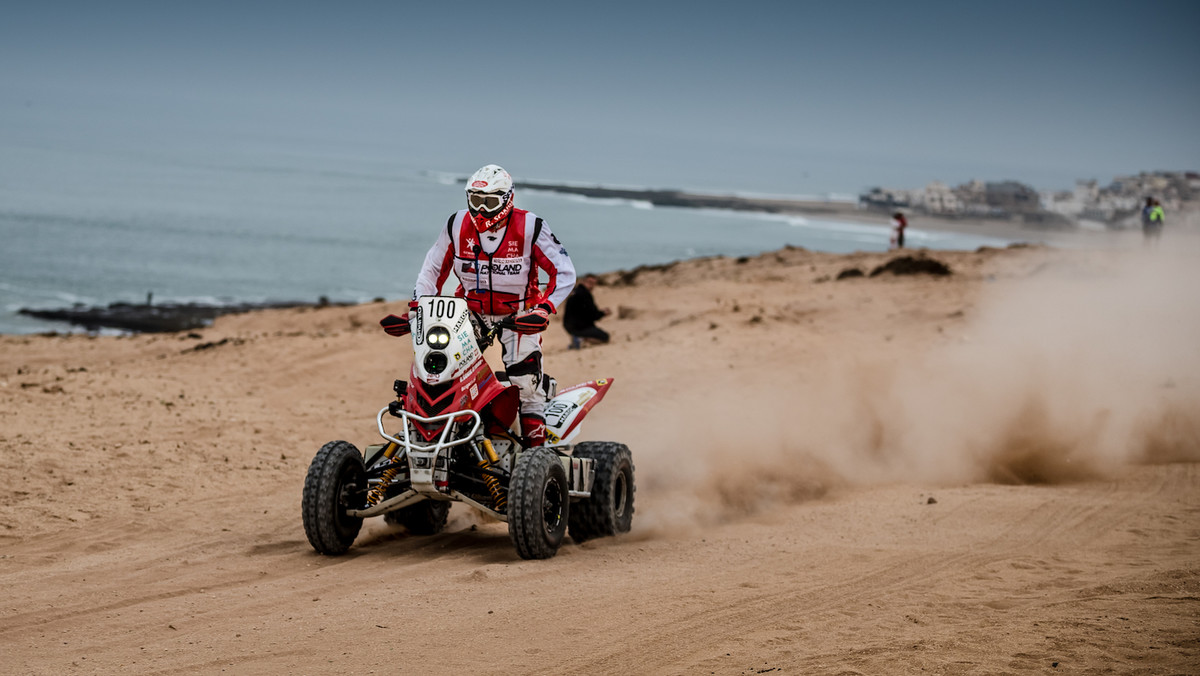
991	471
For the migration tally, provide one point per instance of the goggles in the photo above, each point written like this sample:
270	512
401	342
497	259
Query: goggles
487	201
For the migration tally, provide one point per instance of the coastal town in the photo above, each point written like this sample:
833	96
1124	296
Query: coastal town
1115	206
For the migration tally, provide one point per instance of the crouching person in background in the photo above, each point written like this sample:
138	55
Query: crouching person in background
580	315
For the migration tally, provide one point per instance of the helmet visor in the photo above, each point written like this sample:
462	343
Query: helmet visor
486	201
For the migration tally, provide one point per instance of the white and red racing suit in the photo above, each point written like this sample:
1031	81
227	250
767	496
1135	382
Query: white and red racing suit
498	275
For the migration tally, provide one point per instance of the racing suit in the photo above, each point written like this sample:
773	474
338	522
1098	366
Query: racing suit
497	272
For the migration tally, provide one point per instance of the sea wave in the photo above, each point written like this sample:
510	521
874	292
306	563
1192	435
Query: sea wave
605	201
443	177
39	294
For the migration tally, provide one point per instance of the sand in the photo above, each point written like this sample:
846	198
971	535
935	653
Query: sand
995	471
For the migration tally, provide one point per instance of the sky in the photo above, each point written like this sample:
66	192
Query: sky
774	97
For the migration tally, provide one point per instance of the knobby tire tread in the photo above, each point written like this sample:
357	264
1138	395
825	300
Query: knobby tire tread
595	517
321	496
525	521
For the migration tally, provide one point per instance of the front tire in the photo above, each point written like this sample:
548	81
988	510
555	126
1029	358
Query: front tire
538	504
335	481
609	510
427	517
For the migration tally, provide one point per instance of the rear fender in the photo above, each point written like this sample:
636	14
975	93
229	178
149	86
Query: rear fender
566	411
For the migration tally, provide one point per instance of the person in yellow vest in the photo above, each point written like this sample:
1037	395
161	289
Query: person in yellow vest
1152	220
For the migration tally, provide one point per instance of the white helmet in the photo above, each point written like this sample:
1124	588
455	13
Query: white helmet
489	196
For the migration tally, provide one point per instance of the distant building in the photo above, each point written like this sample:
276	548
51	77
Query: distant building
883	198
938	198
971	193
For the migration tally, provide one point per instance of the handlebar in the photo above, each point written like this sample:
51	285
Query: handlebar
488	336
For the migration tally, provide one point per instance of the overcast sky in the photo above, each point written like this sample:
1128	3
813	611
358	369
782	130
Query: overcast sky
783	97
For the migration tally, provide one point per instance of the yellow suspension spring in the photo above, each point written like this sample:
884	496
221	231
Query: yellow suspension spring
499	496
385	479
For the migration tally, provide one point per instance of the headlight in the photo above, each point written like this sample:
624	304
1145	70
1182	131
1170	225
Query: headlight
435	362
438	337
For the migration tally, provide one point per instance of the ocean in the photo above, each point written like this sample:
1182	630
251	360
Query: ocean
255	221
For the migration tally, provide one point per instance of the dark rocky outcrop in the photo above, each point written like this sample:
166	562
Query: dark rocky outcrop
159	318
913	265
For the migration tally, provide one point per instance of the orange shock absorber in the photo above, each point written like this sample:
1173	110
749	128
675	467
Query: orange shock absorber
385	479
499	496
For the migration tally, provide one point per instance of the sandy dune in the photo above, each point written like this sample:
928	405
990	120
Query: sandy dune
992	472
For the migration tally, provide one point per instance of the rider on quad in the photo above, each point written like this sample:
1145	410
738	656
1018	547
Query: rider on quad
496	250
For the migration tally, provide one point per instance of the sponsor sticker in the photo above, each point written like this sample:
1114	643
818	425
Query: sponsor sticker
500	266
558	411
479	184
419	331
561	249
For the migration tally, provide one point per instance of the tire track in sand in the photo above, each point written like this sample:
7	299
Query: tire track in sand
784	612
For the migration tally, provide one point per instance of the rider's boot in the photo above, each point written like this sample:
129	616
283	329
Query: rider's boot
534	429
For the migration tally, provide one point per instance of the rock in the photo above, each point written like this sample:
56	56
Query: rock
849	273
160	318
913	265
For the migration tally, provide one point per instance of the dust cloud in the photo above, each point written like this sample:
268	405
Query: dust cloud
1063	376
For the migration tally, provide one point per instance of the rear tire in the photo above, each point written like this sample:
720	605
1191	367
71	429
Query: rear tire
609	510
538	504
427	517
334	483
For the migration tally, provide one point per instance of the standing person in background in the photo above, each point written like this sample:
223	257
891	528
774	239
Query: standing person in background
580	315
1152	220
899	223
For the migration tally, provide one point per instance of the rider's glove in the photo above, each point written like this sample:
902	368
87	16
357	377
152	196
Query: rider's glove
534	320
395	326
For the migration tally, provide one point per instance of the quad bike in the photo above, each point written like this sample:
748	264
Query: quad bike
458	442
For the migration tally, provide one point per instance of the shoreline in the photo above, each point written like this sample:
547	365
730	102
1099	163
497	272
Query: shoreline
179	318
172	317
838	211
